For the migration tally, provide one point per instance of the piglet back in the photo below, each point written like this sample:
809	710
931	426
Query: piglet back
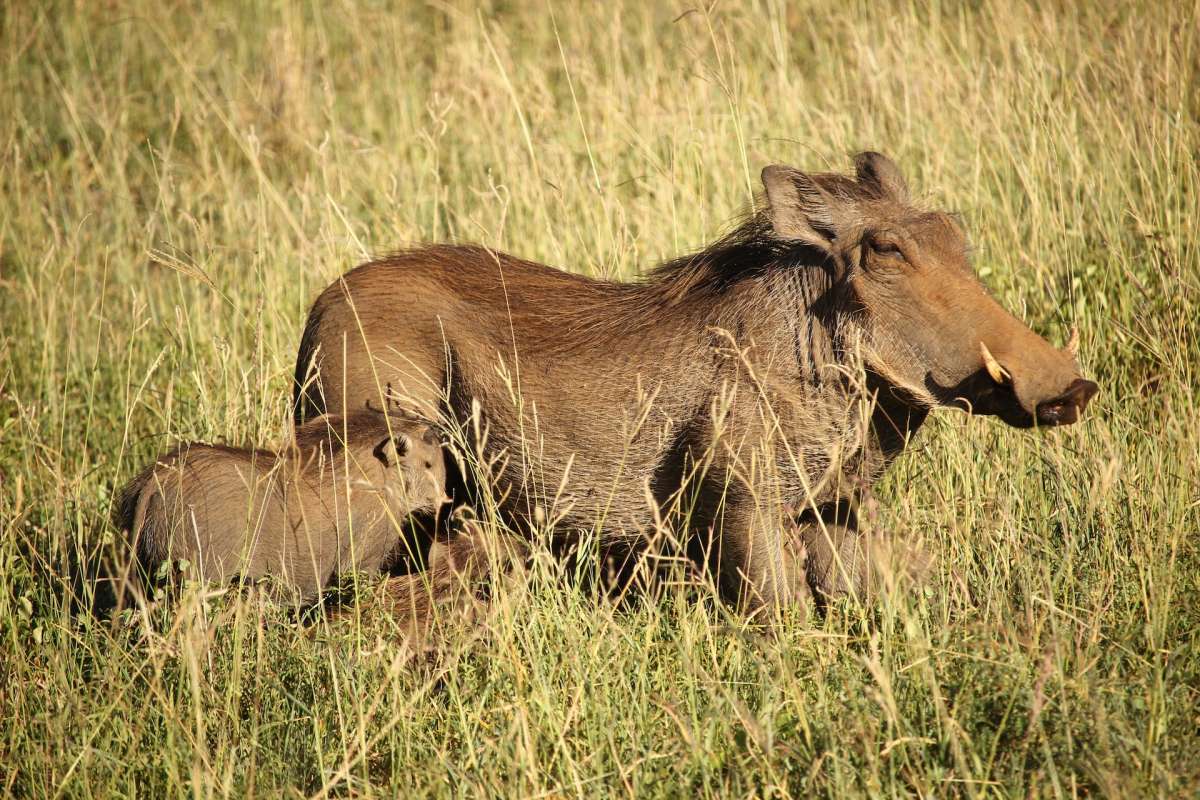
139	512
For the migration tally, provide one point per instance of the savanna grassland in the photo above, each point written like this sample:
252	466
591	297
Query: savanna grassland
178	180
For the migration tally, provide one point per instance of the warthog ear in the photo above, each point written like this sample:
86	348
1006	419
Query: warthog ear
392	449
799	209
881	174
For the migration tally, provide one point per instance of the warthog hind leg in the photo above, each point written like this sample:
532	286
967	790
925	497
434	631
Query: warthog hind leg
458	580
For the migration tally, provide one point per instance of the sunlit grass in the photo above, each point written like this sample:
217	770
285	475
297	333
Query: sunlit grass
178	183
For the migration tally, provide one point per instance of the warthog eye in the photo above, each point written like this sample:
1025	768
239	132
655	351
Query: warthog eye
884	247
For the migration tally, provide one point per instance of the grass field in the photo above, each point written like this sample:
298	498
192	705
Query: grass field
178	180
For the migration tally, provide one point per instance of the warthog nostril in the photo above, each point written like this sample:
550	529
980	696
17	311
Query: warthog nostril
1066	408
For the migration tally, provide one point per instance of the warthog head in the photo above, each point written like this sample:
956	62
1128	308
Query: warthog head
393	455
928	326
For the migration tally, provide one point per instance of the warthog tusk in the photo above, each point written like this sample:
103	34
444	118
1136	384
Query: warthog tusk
999	374
1073	342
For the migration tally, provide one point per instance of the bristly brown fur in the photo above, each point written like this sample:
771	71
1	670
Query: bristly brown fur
297	515
787	363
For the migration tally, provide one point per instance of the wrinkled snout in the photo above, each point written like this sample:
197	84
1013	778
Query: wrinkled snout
1043	380
1066	408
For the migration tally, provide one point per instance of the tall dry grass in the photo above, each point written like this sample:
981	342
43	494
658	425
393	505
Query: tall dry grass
179	180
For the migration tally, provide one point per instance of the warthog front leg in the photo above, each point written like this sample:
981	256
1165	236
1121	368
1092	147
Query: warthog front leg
844	560
761	568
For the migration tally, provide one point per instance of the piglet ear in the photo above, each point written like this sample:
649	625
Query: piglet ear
799	209
392	449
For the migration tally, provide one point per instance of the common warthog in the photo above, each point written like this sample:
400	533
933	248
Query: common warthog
331	502
778	371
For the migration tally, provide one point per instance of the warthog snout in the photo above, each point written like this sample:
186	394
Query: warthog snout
1066	408
1030	381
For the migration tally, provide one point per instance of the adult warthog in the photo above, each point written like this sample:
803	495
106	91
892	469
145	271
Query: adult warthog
744	397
